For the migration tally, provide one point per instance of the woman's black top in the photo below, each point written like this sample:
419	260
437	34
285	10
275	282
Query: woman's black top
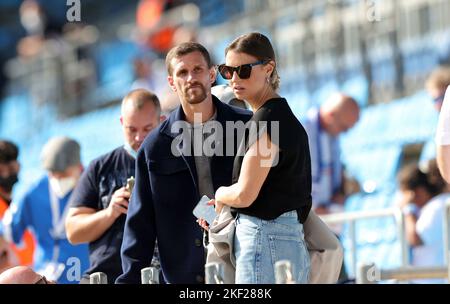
288	184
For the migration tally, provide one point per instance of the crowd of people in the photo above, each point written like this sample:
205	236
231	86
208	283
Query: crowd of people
273	179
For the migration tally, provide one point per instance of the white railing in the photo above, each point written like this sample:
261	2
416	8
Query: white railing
370	274
352	217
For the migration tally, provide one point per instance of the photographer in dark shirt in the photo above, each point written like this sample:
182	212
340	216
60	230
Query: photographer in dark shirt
99	203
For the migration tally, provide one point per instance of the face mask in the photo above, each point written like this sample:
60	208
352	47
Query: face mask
32	22
62	186
130	150
7	183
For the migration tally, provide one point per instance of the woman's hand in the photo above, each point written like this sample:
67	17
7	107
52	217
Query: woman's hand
218	205
203	223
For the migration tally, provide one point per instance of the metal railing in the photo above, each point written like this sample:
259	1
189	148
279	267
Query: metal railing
352	217
214	273
98	278
446	232
149	275
370	274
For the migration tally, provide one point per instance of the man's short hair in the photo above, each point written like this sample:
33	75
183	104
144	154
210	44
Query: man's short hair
8	151
439	78
140	97
184	49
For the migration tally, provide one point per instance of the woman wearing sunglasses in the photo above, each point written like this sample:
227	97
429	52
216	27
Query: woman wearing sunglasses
271	190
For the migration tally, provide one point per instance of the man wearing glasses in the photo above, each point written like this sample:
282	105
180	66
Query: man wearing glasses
443	138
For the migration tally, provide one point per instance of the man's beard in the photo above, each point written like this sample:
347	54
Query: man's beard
7	183
193	98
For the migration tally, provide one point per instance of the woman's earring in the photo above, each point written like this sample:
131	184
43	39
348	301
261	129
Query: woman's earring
267	79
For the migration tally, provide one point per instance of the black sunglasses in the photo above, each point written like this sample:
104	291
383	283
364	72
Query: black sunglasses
244	71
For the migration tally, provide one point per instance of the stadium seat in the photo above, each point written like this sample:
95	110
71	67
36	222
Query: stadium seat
358	88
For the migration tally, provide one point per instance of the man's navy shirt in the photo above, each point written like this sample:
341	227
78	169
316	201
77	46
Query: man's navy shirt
98	183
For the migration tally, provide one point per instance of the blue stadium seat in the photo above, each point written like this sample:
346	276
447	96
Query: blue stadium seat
383	70
358	88
115	69
10	3
377	239
324	92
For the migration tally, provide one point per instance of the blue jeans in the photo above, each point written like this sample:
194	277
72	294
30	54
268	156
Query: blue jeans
259	244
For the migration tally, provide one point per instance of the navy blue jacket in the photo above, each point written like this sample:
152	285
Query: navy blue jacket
163	198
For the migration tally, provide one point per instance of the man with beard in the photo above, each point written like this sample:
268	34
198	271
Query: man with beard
170	179
11	254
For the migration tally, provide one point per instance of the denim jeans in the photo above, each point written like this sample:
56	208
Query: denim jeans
259	244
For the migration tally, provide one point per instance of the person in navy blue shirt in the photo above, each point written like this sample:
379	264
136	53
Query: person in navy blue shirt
100	200
170	180
43	209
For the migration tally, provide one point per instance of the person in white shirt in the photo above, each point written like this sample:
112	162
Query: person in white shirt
435	85
423	205
443	138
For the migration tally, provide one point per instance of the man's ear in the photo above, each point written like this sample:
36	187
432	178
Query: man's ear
212	74
171	83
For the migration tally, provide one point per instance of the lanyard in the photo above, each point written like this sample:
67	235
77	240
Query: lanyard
58	231
321	164
319	152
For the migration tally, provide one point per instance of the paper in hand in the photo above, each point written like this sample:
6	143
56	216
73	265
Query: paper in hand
204	211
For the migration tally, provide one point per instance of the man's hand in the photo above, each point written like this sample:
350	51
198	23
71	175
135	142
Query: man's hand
119	203
85	225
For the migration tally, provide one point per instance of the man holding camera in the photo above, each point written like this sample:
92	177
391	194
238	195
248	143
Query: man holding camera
100	201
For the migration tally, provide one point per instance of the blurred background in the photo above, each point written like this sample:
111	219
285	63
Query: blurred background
64	71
